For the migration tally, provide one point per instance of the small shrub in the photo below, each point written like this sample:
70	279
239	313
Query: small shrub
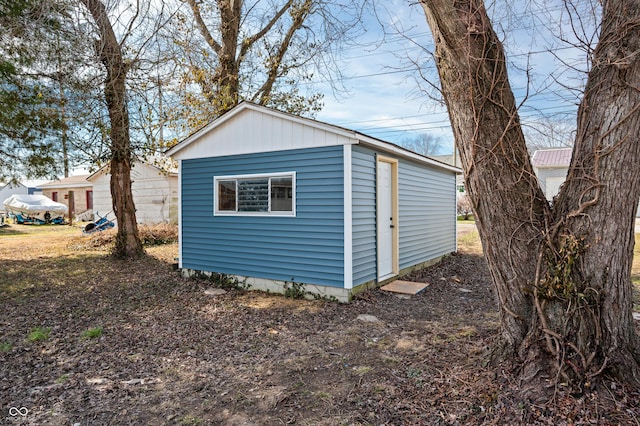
332	299
150	235
414	372
294	290
92	333
38	334
224	281
62	378
191	420
5	347
158	234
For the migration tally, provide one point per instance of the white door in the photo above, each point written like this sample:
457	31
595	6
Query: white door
385	220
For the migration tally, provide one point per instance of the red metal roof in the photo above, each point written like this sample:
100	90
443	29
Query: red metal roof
556	157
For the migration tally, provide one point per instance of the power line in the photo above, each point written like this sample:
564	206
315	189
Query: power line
441	124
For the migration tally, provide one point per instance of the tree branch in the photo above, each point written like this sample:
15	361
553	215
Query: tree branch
131	22
298	20
248	42
202	26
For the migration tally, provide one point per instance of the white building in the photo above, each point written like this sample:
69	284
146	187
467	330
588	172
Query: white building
9	189
155	193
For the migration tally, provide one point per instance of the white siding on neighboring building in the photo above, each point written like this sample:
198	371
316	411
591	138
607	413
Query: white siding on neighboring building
552	186
101	193
8	190
551	167
155	194
551	178
58	190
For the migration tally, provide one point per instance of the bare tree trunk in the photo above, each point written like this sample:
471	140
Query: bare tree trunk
227	74
128	242
562	276
64	138
299	14
223	92
597	205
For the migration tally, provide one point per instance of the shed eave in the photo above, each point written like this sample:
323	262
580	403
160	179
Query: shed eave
194	137
402	152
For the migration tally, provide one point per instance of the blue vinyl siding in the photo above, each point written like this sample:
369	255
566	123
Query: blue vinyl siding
308	248
427	205
364	215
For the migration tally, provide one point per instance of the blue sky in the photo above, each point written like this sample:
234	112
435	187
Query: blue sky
384	99
385	102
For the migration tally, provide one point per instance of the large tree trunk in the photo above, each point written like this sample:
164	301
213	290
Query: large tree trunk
562	274
128	242
224	91
227	74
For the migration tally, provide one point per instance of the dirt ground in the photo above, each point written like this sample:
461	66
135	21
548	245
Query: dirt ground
86	340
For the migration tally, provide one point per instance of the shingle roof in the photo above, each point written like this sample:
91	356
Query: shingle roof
79	180
557	157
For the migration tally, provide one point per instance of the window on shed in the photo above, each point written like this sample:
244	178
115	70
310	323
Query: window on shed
281	194
227	195
255	194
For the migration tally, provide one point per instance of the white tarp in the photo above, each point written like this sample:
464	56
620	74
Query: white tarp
33	204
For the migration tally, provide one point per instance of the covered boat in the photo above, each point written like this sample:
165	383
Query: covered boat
36	209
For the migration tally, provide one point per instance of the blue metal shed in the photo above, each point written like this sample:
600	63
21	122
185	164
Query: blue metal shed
274	199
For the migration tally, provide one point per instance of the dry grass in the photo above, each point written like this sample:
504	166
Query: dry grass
168	354
165	353
469	242
468	238
151	235
635	267
15	230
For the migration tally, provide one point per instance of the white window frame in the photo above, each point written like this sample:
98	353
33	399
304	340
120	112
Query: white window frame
291	213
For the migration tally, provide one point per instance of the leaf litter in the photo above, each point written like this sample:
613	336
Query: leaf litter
170	354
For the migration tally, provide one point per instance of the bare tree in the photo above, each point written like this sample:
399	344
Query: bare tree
110	53
561	272
549	132
260	51
464	207
425	144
